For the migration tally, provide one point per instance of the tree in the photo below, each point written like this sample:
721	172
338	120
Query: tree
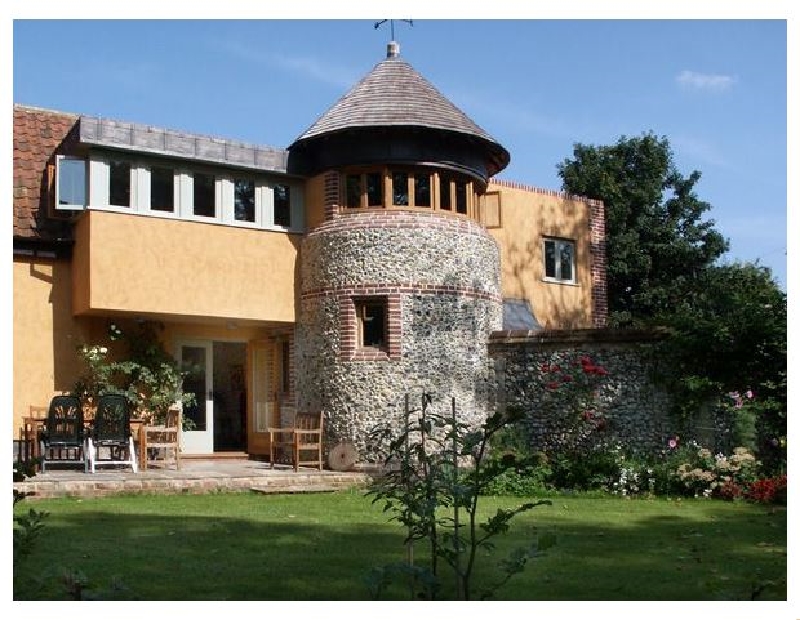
729	337
656	238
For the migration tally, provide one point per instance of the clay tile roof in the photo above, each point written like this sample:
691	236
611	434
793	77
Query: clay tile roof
394	94
37	133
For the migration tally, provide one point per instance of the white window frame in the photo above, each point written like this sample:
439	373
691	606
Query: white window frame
99	191
69	206
145	193
187	197
559	244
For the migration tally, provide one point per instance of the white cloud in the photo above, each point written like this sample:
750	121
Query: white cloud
705	81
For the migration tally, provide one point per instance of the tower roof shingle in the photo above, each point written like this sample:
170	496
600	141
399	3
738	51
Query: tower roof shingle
394	94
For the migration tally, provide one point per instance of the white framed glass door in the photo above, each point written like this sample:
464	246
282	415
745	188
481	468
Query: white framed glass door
197	358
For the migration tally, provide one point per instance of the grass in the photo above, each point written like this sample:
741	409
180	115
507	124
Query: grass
321	547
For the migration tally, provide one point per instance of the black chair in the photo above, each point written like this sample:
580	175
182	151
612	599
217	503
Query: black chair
61	440
111	432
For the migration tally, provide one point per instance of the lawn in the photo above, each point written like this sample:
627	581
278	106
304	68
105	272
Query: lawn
321	547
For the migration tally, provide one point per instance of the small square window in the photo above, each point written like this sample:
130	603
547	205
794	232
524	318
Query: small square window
70	183
559	260
371	317
282	210
162	189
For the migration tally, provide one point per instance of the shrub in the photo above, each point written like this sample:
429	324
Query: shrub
767	490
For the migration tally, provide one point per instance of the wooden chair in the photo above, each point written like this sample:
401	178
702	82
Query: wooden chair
161	444
32	425
303	438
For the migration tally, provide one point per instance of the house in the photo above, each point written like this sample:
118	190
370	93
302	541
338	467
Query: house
372	258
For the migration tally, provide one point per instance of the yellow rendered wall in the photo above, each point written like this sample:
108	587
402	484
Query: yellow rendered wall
141	264
45	334
315	201
527	217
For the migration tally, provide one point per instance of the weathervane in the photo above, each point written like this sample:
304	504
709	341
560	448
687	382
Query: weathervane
410	22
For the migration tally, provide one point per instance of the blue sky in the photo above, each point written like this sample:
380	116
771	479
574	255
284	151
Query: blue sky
716	89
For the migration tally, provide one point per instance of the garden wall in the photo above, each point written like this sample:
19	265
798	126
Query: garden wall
634	410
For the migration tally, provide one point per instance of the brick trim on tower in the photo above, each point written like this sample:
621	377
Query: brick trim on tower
349	350
331	199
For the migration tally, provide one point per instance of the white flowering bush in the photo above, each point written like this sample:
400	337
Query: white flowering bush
146	374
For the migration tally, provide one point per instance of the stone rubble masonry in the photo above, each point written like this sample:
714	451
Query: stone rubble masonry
636	407
440	276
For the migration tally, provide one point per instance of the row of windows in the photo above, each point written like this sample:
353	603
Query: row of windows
123	184
403	188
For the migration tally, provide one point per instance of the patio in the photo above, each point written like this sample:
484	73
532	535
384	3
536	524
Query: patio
194	476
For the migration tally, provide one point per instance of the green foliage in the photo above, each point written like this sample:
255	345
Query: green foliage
656	236
148	376
438	468
729	336
728	322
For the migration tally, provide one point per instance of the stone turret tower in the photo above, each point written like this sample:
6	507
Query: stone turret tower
400	282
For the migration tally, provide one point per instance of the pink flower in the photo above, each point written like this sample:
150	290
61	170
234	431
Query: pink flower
749	394
673	443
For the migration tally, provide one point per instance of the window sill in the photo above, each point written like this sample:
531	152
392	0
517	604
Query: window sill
561	282
370	355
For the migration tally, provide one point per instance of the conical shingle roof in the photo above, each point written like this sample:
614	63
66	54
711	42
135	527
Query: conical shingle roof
393	94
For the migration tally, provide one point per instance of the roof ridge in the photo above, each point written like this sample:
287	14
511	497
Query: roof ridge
546	192
34	108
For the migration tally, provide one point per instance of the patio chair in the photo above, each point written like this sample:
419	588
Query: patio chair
161	444
300	441
61	439
111	433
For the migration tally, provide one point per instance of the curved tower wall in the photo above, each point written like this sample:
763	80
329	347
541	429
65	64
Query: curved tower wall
440	279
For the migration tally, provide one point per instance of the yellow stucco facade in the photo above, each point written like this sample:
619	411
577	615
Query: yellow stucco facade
177	268
527	217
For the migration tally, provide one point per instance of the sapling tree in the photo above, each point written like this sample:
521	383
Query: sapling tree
437	470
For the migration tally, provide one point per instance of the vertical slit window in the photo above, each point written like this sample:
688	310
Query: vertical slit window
374	189
282	206
353	191
461	197
400	189
422	190
444	192
162	189
119	183
244	200
204	195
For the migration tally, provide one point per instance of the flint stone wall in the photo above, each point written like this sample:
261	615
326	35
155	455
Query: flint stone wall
635	407
446	274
